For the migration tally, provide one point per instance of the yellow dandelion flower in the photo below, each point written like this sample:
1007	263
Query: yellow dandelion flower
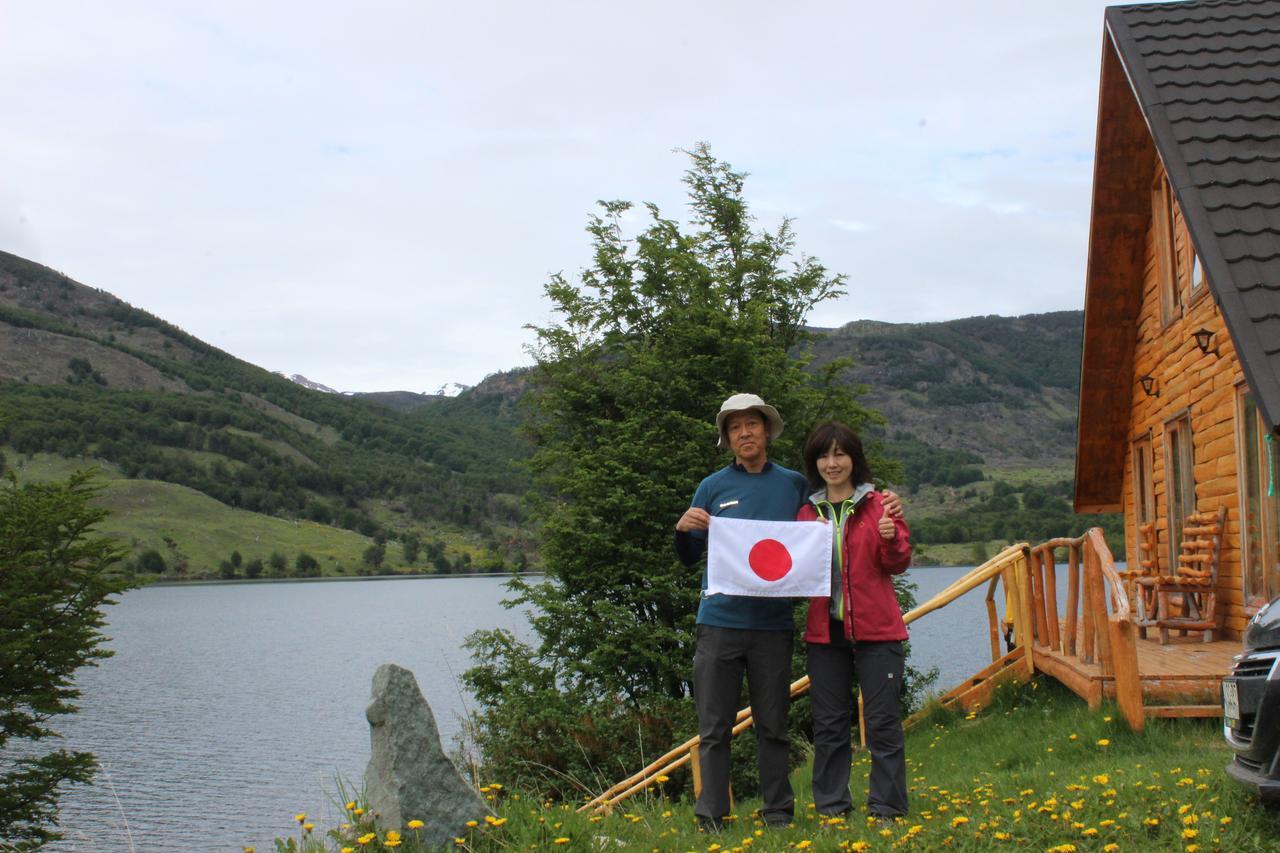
1184	808
390	843
801	845
1192	848
415	824
348	850
351	805
472	824
562	840
662	777
365	839
1106	719
1190	833
959	820
307	827
1003	836
1072	736
1089	833
357	812
1102	779
860	846
300	818
713	848
1225	821
1151	821
1104	742
1111	848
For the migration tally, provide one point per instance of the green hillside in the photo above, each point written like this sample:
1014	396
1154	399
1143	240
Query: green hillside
979	415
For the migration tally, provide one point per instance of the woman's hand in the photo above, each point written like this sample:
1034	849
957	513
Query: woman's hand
887	530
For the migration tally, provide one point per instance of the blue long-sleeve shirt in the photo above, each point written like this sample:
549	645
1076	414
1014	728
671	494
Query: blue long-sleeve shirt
774	494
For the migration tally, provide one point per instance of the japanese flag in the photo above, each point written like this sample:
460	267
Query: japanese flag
771	559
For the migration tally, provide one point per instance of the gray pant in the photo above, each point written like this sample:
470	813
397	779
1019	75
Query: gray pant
879	669
721	658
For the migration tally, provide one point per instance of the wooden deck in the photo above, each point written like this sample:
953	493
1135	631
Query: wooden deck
1181	679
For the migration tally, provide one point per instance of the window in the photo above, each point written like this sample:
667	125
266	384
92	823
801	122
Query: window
1259	467
1144	499
1166	249
1180	483
1198	278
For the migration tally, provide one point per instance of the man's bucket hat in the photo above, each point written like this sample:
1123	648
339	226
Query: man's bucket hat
745	402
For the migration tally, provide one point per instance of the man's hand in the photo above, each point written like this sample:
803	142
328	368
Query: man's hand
892	504
694	518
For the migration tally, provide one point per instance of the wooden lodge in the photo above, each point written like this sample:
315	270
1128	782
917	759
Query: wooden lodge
1180	381
1179	418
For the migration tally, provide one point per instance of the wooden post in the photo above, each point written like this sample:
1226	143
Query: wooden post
1049	563
1098	606
1040	627
1073	598
993	621
695	764
1124	654
1088	629
862	723
1022	588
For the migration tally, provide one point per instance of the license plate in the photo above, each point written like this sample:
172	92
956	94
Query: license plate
1231	703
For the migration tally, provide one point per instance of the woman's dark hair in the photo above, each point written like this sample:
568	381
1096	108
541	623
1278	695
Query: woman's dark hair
819	442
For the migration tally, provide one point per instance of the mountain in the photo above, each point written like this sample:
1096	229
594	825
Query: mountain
84	375
299	379
979	415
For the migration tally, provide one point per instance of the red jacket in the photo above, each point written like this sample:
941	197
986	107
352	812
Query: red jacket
869	562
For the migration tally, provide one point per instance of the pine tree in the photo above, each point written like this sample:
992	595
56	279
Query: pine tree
56	573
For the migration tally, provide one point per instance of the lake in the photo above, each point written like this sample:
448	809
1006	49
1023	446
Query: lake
229	708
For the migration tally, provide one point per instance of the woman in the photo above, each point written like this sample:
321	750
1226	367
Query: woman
858	630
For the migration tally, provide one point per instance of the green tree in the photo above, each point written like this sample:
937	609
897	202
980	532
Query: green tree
278	563
152	562
306	565
655	334
253	568
56	573
411	545
374	555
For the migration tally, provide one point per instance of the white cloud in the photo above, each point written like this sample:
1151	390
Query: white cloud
374	195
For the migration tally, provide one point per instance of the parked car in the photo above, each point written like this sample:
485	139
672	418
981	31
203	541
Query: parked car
1251	706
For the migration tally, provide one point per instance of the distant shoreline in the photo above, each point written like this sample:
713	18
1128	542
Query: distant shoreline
222	582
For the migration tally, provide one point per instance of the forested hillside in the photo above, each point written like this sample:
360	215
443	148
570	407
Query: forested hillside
979	415
84	375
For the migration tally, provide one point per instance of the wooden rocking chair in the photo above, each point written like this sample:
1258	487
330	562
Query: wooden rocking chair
1143	597
1193	584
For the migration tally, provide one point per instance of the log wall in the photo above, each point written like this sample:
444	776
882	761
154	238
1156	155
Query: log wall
1203	385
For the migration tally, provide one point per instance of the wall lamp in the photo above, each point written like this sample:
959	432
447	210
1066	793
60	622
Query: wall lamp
1148	383
1203	338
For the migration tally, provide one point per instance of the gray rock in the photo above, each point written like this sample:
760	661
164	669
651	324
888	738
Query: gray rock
409	777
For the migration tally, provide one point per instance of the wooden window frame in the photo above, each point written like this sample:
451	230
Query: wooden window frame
1179	491
1197	264
1269	521
1166	246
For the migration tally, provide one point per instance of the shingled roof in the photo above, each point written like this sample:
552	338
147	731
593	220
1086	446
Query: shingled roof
1207	77
1198	83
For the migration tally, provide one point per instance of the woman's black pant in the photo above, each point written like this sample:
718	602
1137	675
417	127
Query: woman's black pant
878	668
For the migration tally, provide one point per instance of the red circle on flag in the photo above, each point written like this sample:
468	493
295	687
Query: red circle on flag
769	559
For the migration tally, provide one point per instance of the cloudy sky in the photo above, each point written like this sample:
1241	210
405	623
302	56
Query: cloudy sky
374	194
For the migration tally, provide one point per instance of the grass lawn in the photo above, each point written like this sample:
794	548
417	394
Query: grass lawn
1036	771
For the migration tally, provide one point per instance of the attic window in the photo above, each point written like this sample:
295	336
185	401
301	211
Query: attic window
1197	275
1162	207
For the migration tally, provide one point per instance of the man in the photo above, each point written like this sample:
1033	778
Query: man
741	633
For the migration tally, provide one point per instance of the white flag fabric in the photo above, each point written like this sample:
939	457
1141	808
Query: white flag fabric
770	559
